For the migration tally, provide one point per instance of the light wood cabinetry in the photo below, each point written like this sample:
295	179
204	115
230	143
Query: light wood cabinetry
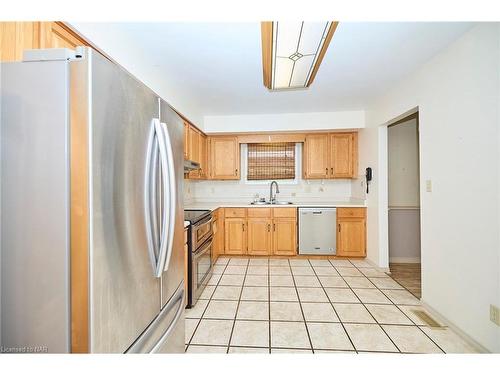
186	140
218	235
224	158
196	149
57	35
330	155
260	231
351	232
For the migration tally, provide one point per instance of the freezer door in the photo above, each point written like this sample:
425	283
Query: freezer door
35	229
174	138
317	231
124	292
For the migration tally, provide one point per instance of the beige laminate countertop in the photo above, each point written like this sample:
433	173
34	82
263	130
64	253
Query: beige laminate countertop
214	205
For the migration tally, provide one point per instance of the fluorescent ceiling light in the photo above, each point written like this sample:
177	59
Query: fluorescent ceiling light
293	51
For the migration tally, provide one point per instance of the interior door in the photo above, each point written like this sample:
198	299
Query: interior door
174	270
124	293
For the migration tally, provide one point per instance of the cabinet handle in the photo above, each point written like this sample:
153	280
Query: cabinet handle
327	171
236	171
331	170
243	227
268	227
339	228
274	227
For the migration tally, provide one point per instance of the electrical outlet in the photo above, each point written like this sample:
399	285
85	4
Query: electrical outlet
294	194
321	189
428	186
495	314
212	190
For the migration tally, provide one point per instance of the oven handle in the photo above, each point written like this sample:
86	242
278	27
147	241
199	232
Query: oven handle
209	221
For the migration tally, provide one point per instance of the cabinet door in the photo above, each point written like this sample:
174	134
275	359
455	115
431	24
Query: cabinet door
224	158
194	150
316	156
57	35
342	155
186	141
203	157
235	236
15	37
351	237
284	236
259	236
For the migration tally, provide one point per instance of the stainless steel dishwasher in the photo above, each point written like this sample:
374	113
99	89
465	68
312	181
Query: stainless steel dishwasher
317	231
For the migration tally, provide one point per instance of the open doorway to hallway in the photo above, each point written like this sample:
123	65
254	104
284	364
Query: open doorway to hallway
404	203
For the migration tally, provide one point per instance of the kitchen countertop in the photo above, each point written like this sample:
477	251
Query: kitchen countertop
200	205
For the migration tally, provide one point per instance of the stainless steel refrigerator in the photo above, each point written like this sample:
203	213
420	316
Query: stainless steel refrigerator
91	209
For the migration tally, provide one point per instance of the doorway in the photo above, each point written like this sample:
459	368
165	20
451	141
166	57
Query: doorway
404	203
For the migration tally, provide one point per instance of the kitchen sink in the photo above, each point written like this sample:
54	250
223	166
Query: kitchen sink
278	203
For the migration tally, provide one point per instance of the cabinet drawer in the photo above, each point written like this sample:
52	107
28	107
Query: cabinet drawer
259	212
285	212
351	212
235	212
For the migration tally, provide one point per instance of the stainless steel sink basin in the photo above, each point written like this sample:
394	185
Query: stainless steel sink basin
279	203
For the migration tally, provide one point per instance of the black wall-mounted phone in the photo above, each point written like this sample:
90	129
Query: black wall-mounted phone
368	176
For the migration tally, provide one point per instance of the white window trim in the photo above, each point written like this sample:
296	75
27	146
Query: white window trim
244	168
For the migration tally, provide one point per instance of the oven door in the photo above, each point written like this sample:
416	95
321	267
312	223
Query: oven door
201	269
201	232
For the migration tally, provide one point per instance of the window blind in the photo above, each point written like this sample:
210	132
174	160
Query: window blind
271	161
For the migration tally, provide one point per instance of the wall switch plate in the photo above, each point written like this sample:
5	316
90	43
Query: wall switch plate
321	189
428	186
294	194
495	314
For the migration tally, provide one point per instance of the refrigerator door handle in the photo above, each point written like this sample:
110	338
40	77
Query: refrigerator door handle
170	208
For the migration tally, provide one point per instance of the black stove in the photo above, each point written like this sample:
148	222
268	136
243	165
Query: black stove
194	216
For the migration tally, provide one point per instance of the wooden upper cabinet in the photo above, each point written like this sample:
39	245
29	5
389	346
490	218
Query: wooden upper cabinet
342	155
235	236
351	232
15	37
316	156
57	35
186	140
333	155
259	236
203	156
224	158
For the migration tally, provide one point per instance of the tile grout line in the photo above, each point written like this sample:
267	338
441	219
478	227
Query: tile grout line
237	306
269	302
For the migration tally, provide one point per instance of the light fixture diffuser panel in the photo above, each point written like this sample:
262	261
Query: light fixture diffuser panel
294	50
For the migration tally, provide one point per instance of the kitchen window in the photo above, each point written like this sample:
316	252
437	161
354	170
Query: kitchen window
264	162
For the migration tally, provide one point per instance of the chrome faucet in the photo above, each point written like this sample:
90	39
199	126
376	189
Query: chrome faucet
272	198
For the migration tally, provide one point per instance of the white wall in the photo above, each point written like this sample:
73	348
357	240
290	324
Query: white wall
403	165
457	94
285	122
119	46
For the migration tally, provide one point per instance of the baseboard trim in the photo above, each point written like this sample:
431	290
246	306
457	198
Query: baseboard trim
404	259
383	269
455	328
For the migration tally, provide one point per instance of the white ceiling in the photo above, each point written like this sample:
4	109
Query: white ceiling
219	64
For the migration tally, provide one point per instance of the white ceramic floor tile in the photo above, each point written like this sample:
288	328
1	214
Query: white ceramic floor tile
235	270
246	350
235	280
204	349
253	310
312	295
341	263
369	337
279	270
214	280
226	292
197	310
361	263
388	314
255	293
353	313
319	312
256	280
320	262
299	262
372	272
325	271
385	283
258	270
221	309
284	294
307	281
302	271
278	262
348	271
372	296
222	261
358	282
449	341
289	335
213	332
410	339
333	282
281	280
218	269
289	311
238	261
250	333
341	295
207	292
259	262
190	327
401	297
328	336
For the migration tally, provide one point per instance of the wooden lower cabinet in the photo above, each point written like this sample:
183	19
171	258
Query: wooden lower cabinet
235	236
259	236
284	236
351	232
